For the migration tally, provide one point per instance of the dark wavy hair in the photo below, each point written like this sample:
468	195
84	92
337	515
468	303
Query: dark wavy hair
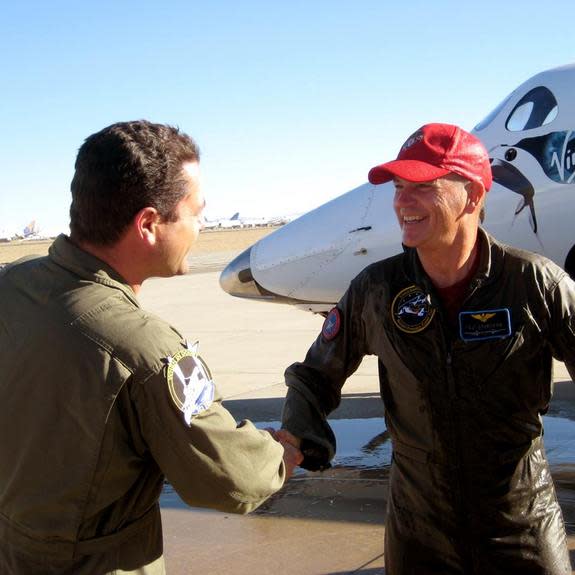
122	169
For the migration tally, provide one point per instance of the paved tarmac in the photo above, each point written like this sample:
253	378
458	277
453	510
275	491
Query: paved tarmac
330	523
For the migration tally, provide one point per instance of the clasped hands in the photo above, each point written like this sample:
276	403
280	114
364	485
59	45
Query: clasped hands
291	444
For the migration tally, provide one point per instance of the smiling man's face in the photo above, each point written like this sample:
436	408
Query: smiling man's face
430	213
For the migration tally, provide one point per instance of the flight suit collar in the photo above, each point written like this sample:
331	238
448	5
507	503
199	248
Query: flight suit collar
490	262
487	271
69	256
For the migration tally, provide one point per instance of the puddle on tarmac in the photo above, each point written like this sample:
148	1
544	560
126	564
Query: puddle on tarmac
365	443
355	487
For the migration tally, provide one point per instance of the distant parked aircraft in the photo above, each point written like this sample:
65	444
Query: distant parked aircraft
224	223
237	221
31	230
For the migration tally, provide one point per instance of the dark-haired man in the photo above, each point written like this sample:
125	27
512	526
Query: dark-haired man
99	400
465	330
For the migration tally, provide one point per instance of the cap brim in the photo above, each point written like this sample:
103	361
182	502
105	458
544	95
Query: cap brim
412	170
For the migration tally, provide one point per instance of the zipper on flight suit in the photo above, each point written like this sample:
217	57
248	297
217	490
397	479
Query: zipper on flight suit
463	515
458	500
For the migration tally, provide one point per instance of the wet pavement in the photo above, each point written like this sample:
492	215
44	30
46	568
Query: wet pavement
364	457
319	523
333	522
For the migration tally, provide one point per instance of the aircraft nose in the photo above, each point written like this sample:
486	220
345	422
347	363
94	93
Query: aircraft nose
237	279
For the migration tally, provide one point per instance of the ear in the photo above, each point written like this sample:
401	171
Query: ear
145	225
475	194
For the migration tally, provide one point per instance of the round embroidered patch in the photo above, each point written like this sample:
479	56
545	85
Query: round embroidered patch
411	310
190	383
331	324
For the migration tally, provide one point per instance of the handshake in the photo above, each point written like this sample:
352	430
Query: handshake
291	444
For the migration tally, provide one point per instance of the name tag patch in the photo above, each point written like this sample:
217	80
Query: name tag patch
485	324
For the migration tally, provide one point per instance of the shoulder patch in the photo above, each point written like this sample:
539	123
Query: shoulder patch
411	310
331	325
190	383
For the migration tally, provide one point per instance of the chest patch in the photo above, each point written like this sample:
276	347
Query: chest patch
331	325
190	383
411	310
485	324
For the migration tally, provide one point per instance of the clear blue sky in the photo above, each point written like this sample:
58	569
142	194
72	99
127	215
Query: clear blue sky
290	102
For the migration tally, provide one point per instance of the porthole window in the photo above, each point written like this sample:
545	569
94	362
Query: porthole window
537	108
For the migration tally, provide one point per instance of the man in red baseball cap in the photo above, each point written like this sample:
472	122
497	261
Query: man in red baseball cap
441	176
465	329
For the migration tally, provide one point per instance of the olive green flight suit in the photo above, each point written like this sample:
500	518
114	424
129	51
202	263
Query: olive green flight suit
99	402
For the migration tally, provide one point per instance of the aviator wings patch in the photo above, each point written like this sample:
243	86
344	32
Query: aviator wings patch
485	324
483	317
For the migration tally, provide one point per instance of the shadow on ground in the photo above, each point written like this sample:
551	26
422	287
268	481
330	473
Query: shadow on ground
353	405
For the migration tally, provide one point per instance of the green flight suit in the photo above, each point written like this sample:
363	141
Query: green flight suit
99	402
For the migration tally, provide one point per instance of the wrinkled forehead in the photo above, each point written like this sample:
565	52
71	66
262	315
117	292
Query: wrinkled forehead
397	180
450	177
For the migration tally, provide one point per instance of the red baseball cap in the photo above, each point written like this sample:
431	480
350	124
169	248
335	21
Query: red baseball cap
434	151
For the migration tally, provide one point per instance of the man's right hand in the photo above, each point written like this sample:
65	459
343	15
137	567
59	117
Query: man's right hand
284	436
292	457
292	454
